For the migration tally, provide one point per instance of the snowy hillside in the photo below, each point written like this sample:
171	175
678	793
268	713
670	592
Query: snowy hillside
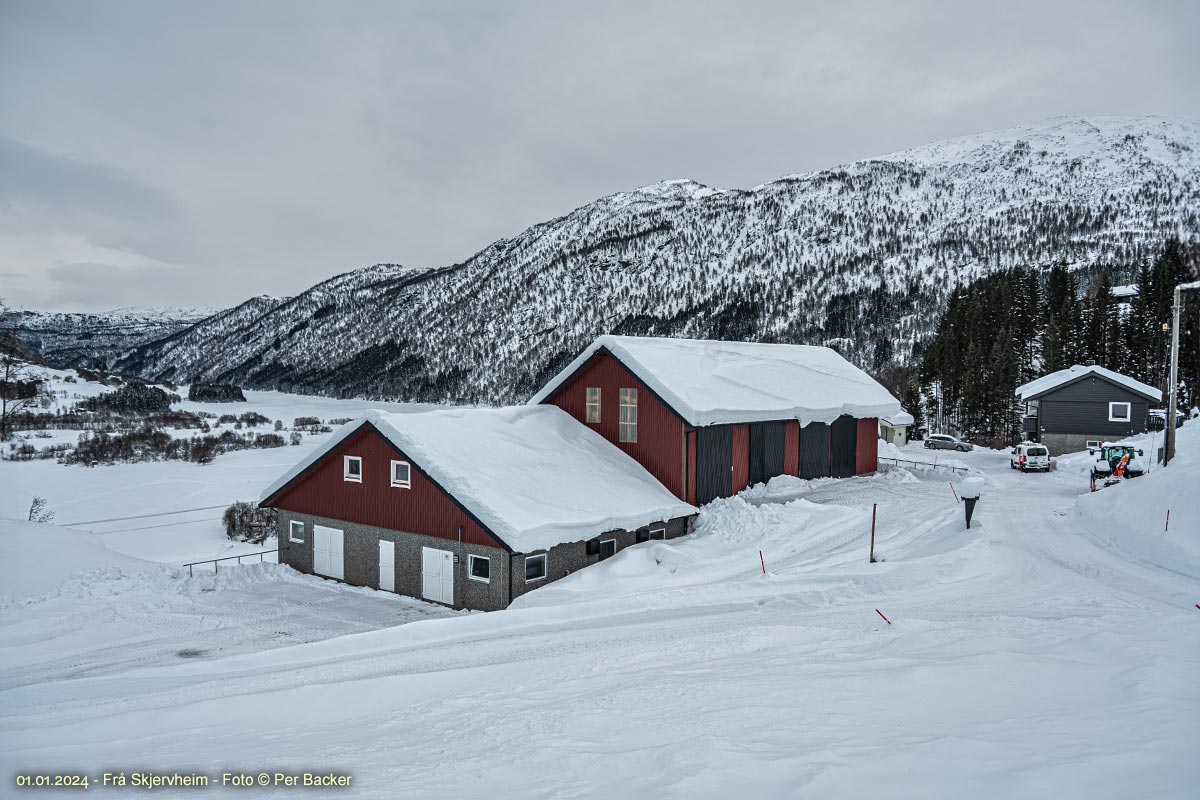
849	255
96	339
1049	651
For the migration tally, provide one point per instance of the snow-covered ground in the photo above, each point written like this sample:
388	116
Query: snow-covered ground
152	492
1050	651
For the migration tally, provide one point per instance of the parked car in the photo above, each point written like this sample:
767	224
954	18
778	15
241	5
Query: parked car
1029	456
944	441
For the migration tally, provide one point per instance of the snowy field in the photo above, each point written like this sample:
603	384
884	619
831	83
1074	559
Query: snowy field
1050	651
155	492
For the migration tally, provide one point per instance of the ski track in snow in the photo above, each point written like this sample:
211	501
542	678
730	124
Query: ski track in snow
1032	656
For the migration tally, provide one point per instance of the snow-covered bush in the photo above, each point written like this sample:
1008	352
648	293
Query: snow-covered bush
248	522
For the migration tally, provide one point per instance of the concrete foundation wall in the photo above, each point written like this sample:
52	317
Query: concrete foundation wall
1059	443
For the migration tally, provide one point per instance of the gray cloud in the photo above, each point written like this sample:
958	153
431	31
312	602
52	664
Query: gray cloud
262	146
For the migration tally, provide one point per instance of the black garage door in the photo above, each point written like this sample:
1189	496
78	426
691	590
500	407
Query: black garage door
844	446
714	462
814	450
766	451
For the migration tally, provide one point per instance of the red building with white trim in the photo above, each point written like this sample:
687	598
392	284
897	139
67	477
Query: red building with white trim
710	418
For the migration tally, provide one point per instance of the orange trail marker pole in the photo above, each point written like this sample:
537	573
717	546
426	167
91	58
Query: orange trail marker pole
764	562
955	492
889	622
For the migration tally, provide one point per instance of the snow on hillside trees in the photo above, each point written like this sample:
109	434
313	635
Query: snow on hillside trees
1015	325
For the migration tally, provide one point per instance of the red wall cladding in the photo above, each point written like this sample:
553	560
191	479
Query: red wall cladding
866	456
741	457
324	492
661	446
791	447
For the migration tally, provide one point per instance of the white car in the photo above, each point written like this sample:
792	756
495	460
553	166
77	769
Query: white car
1029	456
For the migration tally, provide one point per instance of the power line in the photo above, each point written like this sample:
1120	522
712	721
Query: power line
140	516
164	525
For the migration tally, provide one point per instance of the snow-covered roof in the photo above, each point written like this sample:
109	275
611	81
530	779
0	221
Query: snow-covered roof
903	418
1128	290
710	382
1065	376
532	475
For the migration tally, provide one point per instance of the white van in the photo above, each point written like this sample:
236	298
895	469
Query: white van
1029	456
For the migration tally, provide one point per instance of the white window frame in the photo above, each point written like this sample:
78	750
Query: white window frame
1128	412
545	568
603	542
292	531
471	559
658	533
346	475
627	420
592	403
396	482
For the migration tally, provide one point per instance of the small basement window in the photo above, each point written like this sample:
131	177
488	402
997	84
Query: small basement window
352	468
401	475
628	420
608	548
535	568
593	404
1120	412
296	531
658	533
480	568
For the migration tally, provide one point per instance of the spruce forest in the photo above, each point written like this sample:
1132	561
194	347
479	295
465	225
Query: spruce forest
1015	325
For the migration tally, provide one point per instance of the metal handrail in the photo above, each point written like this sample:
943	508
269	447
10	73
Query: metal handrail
898	461
216	566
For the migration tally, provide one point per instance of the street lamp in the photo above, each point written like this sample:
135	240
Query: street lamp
1169	444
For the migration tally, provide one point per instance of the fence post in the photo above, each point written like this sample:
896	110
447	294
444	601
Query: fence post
874	509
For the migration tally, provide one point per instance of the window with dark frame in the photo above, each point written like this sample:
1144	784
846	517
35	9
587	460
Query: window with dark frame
608	548
535	568
480	568
593	404
296	531
628	420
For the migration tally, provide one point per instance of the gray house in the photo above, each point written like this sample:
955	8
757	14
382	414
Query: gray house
1066	409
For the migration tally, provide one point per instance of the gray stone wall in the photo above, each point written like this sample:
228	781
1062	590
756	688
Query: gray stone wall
1059	443
564	559
361	557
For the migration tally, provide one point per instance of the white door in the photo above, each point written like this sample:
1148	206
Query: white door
327	552
437	575
387	565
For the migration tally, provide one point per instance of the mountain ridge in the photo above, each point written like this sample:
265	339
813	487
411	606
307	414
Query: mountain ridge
859	256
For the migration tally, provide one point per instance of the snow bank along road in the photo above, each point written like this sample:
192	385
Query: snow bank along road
1051	651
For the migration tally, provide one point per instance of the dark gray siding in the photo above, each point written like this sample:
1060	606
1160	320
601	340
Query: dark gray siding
767	445
1081	407
714	463
843	447
814	450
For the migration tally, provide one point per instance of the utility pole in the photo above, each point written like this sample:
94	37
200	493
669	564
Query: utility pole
1173	387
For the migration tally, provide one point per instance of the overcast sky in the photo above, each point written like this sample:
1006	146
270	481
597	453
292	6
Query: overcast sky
198	153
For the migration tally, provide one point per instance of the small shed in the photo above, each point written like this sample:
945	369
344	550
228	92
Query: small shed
470	508
894	429
1068	408
709	418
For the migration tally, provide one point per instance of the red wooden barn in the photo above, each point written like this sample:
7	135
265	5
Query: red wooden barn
467	507
710	418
